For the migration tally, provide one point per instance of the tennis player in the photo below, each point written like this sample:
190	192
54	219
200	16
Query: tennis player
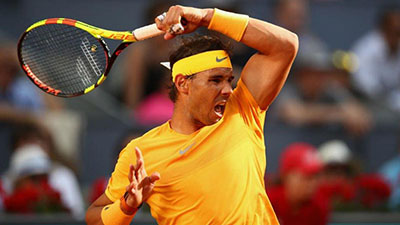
206	165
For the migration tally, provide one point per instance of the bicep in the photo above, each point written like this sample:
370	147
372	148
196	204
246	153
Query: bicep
265	75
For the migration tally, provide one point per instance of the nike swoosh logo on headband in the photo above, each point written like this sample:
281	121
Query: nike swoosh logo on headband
221	59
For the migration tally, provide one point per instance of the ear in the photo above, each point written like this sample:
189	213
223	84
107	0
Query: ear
182	84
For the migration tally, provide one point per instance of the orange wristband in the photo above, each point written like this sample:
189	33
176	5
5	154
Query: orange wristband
232	25
126	207
112	214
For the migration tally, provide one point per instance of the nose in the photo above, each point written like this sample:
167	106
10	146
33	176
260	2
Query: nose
227	89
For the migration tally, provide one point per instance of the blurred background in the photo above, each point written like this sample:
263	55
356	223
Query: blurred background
340	107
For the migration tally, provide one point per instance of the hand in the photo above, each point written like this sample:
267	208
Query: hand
141	186
182	20
357	120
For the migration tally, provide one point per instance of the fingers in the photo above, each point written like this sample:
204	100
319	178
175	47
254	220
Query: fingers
140	172
154	177
161	17
174	15
149	182
130	175
148	185
139	155
171	22
176	29
133	182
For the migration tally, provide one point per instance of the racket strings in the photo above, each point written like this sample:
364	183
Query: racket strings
63	57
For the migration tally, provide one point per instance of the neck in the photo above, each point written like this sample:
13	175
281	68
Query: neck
182	121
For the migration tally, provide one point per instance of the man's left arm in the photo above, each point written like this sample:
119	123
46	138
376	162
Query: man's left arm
266	72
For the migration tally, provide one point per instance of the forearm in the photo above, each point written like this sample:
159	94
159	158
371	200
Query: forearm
263	36
266	72
104	211
93	215
298	113
321	114
11	114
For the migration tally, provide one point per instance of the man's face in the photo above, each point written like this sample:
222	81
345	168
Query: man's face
392	32
208	94
293	15
301	187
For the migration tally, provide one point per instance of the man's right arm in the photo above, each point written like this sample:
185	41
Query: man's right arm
93	214
121	212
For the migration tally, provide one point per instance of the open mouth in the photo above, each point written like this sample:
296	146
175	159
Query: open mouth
219	109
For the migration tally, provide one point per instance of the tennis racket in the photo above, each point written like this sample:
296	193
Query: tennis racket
67	58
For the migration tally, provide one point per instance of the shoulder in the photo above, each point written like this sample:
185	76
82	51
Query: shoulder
154	132
63	178
391	168
243	107
25	94
242	95
370	42
149	136
61	170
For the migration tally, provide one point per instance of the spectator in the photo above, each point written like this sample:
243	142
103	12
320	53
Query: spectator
32	159
30	188
314	98
296	200
345	187
337	178
378	57
19	98
16	91
293	15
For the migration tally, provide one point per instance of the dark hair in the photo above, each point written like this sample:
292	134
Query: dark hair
192	45
157	7
23	132
385	14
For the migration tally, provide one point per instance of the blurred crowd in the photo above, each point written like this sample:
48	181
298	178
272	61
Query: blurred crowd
352	90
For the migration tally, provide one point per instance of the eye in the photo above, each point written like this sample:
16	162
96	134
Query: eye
215	80
231	79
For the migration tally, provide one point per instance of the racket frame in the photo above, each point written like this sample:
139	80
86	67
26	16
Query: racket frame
127	38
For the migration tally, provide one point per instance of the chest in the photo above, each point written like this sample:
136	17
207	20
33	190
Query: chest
223	155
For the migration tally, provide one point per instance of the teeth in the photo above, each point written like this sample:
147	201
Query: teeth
219	110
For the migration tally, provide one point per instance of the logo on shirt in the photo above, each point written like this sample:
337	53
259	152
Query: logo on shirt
186	149
221	59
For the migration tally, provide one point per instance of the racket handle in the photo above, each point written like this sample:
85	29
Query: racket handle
146	32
